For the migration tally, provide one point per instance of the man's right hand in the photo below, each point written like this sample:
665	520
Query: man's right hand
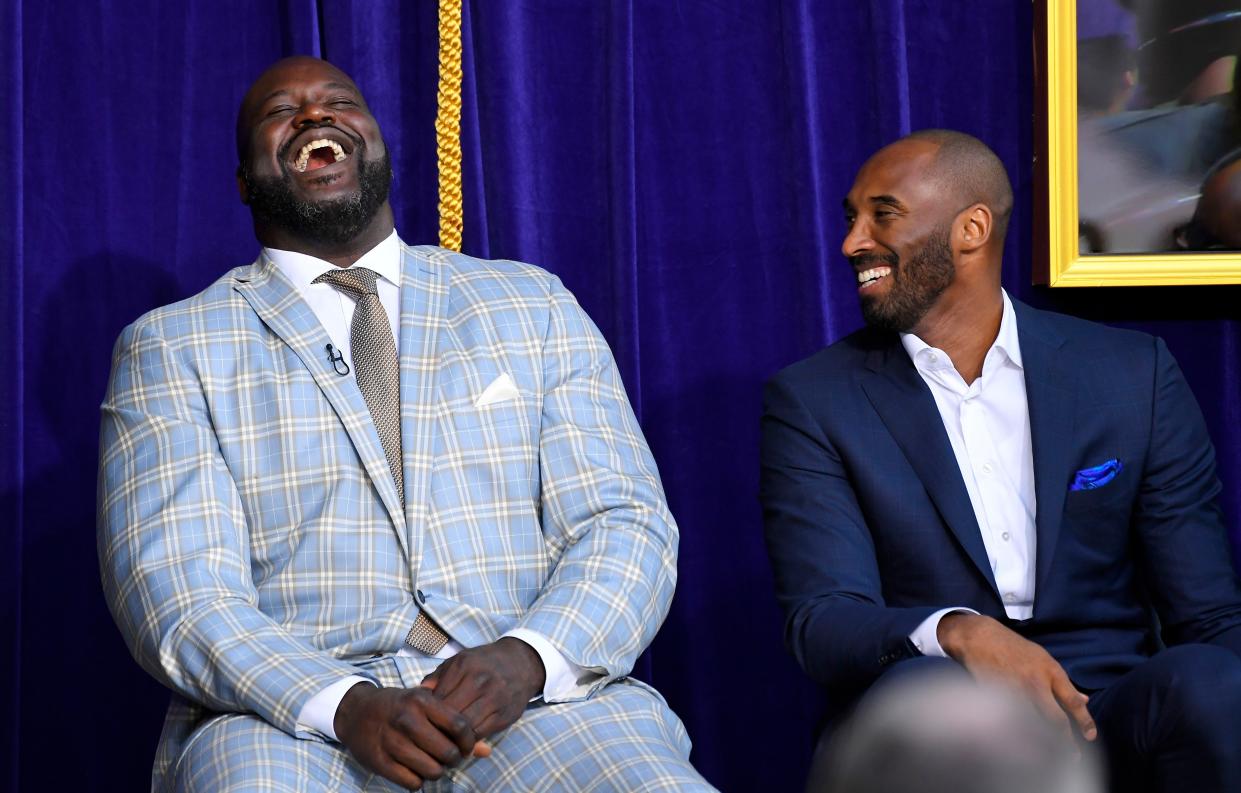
991	651
403	734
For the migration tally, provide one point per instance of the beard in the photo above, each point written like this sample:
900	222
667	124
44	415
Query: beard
335	221
916	285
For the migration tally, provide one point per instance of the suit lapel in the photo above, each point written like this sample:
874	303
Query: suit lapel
283	310
1052	402
424	301
907	408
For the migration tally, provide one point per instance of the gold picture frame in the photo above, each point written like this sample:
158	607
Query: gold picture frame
1057	261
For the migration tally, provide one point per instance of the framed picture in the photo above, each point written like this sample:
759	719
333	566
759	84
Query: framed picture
1138	143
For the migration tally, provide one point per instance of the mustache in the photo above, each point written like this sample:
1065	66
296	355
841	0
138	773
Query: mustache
865	261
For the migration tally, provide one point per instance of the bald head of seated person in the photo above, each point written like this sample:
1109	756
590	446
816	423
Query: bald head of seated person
950	734
972	484
380	515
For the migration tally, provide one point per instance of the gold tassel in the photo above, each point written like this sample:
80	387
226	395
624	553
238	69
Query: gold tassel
448	125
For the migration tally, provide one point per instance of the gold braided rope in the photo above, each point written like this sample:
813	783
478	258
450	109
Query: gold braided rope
448	125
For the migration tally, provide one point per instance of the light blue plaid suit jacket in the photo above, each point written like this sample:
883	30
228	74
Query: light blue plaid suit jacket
252	544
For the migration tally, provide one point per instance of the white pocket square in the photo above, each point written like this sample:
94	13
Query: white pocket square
501	388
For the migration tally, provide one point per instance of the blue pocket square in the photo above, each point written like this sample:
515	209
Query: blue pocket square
1094	478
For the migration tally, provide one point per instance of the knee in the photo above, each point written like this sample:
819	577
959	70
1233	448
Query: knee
920	670
238	753
922	667
911	672
1203	688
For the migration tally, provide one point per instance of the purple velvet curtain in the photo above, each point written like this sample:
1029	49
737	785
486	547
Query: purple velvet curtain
679	165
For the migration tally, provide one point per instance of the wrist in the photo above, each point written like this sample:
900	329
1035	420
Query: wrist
954	630
348	706
534	676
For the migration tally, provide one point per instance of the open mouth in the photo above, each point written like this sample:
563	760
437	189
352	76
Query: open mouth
868	278
318	154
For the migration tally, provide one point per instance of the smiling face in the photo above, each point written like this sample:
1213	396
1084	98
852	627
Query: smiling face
314	166
899	243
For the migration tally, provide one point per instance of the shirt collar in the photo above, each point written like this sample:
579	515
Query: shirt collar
301	268
1006	342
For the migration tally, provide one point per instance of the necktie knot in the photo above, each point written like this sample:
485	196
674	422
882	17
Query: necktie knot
356	281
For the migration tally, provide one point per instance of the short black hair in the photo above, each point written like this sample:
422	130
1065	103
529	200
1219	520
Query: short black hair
972	171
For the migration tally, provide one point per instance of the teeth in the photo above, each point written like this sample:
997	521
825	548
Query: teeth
303	156
873	274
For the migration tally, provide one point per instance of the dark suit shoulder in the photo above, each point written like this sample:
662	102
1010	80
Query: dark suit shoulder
842	360
1080	335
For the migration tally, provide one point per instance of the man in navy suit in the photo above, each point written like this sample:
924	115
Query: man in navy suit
972	483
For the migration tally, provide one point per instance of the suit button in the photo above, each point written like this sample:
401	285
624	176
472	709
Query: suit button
421	597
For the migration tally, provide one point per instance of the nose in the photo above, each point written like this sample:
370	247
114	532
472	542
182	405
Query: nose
857	240
313	114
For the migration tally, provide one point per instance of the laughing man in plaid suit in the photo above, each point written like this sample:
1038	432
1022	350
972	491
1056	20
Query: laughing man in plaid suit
381	515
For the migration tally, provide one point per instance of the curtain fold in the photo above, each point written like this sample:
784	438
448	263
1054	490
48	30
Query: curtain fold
12	391
119	140
679	166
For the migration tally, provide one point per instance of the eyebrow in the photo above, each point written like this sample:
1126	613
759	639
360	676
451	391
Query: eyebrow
886	200
881	200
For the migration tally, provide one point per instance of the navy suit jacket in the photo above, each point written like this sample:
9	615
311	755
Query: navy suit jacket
870	528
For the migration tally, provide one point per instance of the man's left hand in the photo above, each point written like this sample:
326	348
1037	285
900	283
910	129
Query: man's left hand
489	685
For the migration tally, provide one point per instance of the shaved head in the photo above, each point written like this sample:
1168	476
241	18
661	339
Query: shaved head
968	169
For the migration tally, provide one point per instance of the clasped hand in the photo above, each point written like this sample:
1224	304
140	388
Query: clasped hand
412	735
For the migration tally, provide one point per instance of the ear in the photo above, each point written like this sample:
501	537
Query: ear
242	190
974	227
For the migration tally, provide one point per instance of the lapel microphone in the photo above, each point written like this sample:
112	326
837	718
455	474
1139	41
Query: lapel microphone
338	360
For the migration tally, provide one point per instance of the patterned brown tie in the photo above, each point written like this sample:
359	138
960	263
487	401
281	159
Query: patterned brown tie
374	360
378	372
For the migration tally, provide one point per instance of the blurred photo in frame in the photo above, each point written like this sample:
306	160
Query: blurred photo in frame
1138	147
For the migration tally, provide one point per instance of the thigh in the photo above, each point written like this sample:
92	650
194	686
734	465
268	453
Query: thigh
929	667
624	738
1175	721
240	752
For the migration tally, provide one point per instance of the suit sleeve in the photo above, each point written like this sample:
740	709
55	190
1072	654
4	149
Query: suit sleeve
823	556
1178	520
174	548
603	507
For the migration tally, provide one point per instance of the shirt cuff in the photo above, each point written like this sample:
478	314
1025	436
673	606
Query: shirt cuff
926	636
319	712
563	677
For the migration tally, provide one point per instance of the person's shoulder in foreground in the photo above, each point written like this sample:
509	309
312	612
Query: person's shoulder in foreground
975	485
355	500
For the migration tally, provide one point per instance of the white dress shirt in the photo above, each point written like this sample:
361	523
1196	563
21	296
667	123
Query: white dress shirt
334	309
988	424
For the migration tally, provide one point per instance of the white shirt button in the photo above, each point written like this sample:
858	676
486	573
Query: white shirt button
987	468
933	358
1006	536
1009	597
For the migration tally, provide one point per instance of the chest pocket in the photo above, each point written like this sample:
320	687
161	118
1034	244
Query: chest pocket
490	450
